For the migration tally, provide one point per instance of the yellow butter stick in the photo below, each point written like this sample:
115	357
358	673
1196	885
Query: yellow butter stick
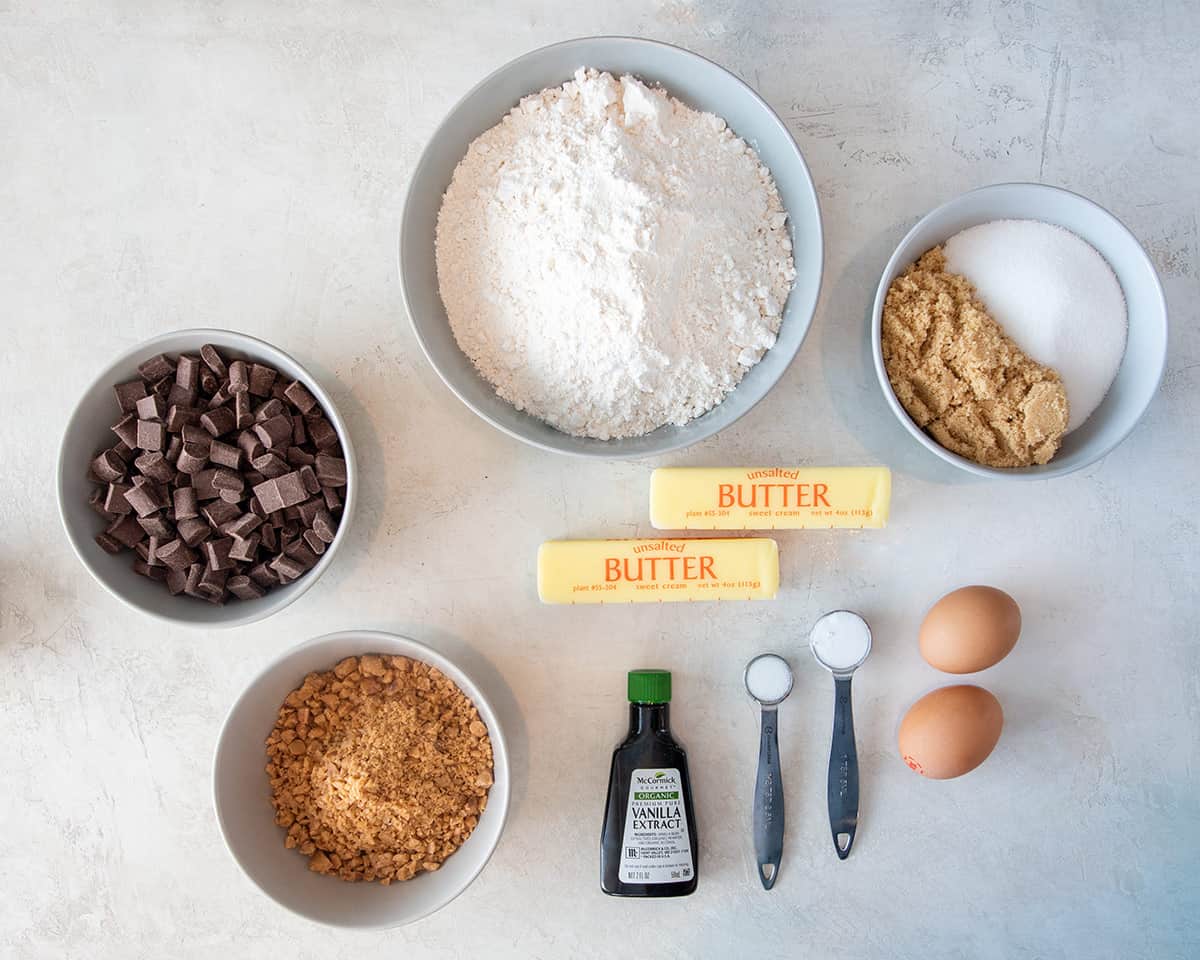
769	498
648	571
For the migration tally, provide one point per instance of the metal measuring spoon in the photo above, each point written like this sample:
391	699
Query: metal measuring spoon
841	641
768	680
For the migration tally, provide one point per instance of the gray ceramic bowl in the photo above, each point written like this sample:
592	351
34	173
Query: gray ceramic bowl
242	796
1145	351
696	81
88	431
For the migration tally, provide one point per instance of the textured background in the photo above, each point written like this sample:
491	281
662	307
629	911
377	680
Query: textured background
243	164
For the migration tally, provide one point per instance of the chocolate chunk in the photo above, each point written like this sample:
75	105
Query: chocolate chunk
244	588
300	551
108	467
202	482
179	396
226	479
286	568
213	579
194	433
192	584
250	445
262	378
162	388
124	451
299	457
299	434
276	432
242	414
333	500
232	496
208	353
127	530
108	544
322	434
151	435
299	397
269	409
216	553
270	536
128	394
331	471
219	513
315	543
114	499
156	525
176	554
155	466
126	429
151	408
270	465
219	421
324	526
220	398
187	373
156	367
209	383
244	550
242	527
225	454
239	377
263	575
191	459
186	504
267	493
193	531
309	479
179	418
145	497
150	570
176	580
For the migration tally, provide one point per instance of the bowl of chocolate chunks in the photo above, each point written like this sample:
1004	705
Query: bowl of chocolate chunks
206	478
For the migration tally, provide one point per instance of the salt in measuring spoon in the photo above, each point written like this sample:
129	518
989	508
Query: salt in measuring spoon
768	680
841	641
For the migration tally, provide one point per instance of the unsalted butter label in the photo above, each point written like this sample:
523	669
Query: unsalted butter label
769	498
632	571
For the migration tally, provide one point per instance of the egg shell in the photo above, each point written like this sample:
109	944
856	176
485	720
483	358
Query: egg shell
950	731
970	629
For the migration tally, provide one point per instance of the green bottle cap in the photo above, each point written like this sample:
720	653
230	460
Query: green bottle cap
650	686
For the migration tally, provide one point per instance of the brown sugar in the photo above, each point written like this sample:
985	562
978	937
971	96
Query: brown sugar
961	378
379	768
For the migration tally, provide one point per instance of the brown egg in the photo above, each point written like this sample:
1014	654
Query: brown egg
970	629
950	731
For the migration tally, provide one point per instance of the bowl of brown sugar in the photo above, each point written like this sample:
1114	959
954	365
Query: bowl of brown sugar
361	780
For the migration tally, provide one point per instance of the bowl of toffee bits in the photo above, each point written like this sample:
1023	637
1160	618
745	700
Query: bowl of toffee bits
361	780
206	478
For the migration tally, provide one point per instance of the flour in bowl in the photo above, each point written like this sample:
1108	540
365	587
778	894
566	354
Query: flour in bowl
612	260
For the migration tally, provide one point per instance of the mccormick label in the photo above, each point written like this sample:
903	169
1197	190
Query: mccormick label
656	845
632	571
769	498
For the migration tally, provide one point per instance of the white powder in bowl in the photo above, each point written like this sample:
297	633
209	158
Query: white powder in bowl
1054	295
612	260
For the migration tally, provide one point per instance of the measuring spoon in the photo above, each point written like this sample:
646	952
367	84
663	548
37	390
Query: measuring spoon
768	680
841	641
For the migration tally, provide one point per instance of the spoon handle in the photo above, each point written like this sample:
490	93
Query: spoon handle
843	771
768	802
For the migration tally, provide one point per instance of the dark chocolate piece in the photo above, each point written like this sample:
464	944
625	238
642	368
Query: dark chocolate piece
270	465
157	525
276	432
186	505
271	408
299	397
219	421
155	466
151	408
244	588
286	568
126	429
108	467
202	482
176	580
216	553
156	367
114	500
179	418
108	544
208	353
187	373
145	497
219	513
263	575
193	531
245	550
128	394
315	543
331	471
262	378
179	396
242	414
239	377
192	458
322	434
127	530
224	454
242	527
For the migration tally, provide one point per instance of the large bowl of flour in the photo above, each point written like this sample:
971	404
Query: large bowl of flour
622	265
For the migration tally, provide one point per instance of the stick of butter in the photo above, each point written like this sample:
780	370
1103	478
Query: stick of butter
645	571
769	498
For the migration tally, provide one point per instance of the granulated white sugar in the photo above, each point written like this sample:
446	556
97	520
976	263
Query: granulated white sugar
1055	295
612	260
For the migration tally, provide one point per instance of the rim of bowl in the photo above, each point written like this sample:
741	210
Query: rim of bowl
1048	470
429	655
249	345
598	452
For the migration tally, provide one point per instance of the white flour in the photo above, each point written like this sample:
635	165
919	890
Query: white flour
612	260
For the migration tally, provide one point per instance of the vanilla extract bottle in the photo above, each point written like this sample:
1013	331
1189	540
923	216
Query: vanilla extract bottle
648	843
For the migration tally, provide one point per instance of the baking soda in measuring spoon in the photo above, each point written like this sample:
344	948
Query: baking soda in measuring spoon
841	640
